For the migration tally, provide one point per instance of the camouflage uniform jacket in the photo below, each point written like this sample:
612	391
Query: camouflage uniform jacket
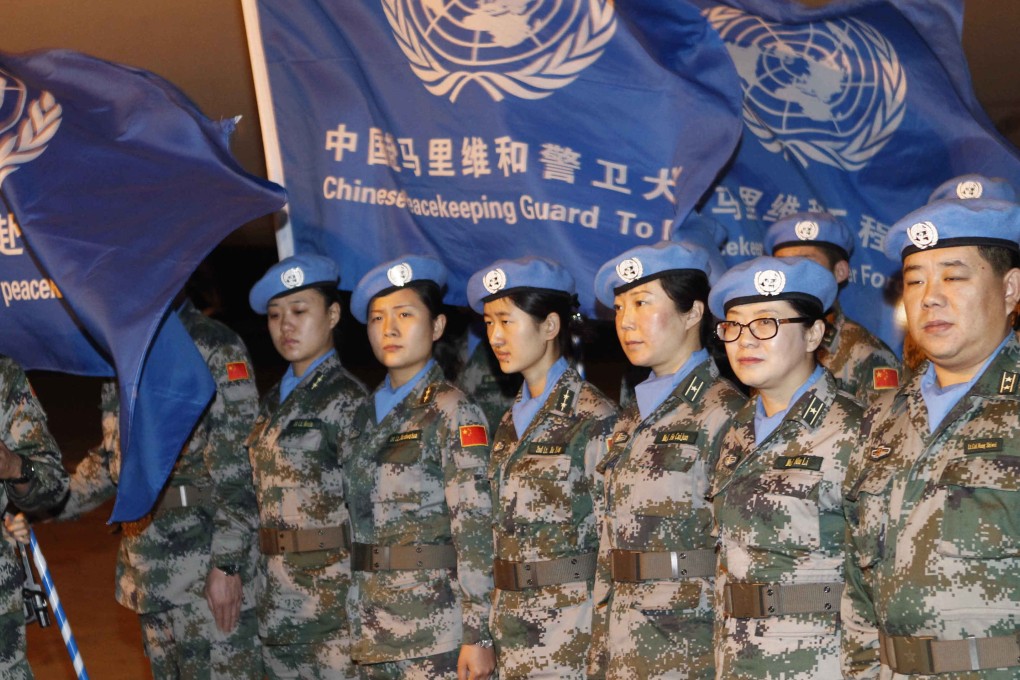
546	497
164	558
299	478
656	479
420	477
934	520
779	515
860	362
23	431
487	385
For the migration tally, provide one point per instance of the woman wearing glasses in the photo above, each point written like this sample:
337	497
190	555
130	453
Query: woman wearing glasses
654	584
777	488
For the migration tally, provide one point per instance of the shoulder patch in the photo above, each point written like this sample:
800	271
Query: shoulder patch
473	435
798	463
1008	382
678	437
982	445
885	378
238	370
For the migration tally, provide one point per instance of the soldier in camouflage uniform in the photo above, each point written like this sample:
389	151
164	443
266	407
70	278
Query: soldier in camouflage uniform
656	570
33	480
304	535
187	568
482	380
933	495
861	363
419	494
542	474
777	487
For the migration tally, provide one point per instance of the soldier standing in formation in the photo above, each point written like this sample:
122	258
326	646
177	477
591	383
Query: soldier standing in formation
933	581
33	479
860	362
655	583
542	473
304	535
187	567
777	490
418	489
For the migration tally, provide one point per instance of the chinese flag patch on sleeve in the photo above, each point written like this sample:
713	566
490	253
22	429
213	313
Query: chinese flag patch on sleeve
473	435
237	370
886	378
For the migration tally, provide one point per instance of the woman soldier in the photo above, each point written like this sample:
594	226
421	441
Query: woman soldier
304	535
542	473
654	586
418	493
777	487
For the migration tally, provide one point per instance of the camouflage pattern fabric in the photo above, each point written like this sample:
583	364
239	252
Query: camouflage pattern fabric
421	477
322	659
441	666
23	431
656	479
861	363
934	521
164	558
778	513
545	505
487	385
299	479
184	642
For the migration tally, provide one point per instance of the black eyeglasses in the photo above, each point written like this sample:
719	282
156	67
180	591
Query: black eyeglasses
763	329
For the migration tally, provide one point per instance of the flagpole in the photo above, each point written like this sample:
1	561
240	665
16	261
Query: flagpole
267	120
58	608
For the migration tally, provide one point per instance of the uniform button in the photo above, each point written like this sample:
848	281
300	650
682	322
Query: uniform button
375	565
530	581
527	567
828	606
827	589
772	610
375	551
420	563
683	572
683	556
418	549
320	532
573	561
322	544
768	592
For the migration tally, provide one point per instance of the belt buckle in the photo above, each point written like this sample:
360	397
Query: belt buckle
268	542
913	655
748	597
626	565
505	571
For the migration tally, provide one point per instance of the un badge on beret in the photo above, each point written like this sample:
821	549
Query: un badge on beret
630	269
494	281
769	282
923	235
400	274
806	230
969	189
292	278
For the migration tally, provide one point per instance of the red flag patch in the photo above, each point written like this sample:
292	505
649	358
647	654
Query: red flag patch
473	435
885	378
237	370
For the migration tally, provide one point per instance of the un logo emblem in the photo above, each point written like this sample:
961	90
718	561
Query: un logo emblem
494	281
833	92
26	127
293	277
400	274
923	235
769	282
630	269
524	48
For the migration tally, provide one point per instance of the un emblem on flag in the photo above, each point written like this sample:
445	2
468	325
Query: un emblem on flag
26	127
829	91
524	48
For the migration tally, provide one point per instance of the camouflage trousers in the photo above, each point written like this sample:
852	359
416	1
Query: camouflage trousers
543	633
184	643
661	630
792	647
326	659
441	666
13	664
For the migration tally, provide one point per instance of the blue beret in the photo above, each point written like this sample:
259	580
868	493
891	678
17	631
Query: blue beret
810	229
773	278
503	277
974	186
392	275
646	263
704	231
290	275
949	223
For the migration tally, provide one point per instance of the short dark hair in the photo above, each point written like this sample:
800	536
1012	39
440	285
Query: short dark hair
686	288
539	304
1001	259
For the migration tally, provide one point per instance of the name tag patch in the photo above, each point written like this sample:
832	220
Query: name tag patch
679	437
798	463
412	436
547	449
306	424
982	445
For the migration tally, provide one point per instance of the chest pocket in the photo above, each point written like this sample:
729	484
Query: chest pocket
669	475
540	484
302	435
867	503
981	515
790	497
399	473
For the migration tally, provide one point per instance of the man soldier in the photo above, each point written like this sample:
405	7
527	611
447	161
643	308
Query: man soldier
33	479
861	363
187	568
932	498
